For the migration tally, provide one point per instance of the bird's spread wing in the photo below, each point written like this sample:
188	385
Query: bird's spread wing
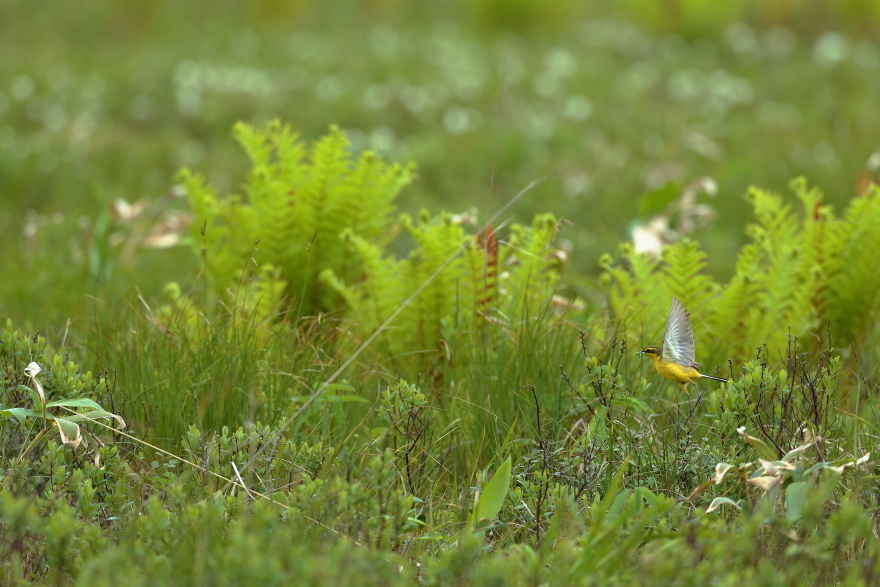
678	341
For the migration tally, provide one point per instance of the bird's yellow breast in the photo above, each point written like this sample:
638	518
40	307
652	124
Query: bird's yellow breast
674	371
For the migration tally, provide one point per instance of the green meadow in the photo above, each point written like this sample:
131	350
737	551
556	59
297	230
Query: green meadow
351	293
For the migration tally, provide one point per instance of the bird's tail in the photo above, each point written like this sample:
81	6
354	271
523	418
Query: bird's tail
712	377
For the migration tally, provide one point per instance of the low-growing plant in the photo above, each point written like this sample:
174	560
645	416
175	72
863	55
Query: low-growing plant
63	406
591	492
782	484
409	432
779	403
45	412
215	364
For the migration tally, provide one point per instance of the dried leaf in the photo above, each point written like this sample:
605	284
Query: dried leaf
765	482
31	371
699	490
70	433
163	240
95	415
810	441
769	467
776	467
719	501
841	468
721	470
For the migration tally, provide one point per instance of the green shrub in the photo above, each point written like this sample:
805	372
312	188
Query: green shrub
30	409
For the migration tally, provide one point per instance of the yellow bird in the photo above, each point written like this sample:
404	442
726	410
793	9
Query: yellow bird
675	359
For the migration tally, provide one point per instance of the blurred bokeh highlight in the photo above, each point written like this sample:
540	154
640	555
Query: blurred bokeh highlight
608	104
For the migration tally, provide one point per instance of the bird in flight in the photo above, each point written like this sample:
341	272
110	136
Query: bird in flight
675	358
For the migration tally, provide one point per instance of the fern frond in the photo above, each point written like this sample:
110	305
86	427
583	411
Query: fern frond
455	299
794	275
297	204
855	280
683	275
265	294
637	294
534	278
734	309
255	144
437	240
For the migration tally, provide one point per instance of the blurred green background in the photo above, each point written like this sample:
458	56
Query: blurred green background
603	102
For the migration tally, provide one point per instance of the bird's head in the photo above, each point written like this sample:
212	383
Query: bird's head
650	351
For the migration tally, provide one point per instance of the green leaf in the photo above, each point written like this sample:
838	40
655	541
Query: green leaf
493	495
34	395
482	525
795	452
75	403
653	501
599	512
20	414
617	504
632	403
96	415
795	499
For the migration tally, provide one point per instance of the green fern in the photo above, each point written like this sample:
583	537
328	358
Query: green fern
852	271
684	262
633	287
787	280
462	295
534	278
733	309
639	291
296	205
795	275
